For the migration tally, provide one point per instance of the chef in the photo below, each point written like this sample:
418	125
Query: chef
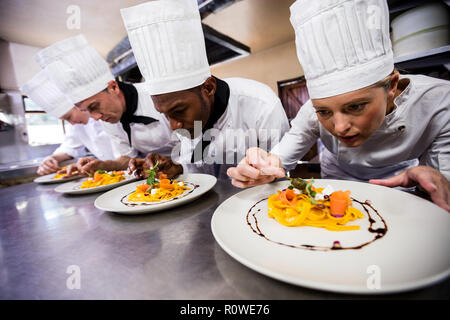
83	132
126	110
376	125
216	120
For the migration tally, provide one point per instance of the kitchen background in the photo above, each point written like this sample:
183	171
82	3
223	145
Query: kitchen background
246	38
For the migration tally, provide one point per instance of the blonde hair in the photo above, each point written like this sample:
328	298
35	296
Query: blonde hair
386	81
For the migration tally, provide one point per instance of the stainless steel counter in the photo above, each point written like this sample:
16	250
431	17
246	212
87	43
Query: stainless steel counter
46	240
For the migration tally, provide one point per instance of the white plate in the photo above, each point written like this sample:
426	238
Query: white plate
74	187
414	251
47	179
114	199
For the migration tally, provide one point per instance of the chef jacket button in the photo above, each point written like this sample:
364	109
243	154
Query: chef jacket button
401	128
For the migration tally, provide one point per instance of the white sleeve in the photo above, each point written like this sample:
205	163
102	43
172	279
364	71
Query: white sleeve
272	126
71	145
437	155
300	138
119	140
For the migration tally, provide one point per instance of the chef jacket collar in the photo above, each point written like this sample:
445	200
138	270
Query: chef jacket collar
131	103
221	97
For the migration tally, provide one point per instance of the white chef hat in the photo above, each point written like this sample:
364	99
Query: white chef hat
46	95
168	44
342	45
76	67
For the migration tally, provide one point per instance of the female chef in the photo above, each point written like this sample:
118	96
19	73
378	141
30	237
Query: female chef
376	125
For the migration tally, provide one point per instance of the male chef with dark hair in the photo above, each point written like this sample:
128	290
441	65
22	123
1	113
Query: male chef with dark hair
216	120
82	133
125	110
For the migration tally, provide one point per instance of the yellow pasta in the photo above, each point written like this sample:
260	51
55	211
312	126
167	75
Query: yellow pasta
59	176
292	209
165	189
103	178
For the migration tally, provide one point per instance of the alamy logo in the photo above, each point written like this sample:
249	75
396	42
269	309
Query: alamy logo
374	279
227	146
74	280
373	17
74	19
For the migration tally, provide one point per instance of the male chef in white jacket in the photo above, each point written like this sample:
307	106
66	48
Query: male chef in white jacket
216	120
82	133
126	110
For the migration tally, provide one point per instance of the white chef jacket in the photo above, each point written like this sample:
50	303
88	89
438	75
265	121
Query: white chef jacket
417	131
90	136
153	137
254	116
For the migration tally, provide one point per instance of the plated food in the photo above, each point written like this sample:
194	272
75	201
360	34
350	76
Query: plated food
155	194
157	189
57	178
164	189
100	181
60	175
384	238
103	178
302	204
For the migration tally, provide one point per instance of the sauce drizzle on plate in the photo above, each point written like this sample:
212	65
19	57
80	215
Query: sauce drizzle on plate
379	232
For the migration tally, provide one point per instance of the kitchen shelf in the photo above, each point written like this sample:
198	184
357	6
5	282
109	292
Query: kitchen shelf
426	59
434	58
399	6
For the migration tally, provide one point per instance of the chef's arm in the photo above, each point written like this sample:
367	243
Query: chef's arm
427	178
302	135
433	173
120	163
90	165
60	157
71	146
51	163
272	124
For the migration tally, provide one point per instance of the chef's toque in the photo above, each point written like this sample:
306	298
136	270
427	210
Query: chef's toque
44	93
76	67
342	45
168	43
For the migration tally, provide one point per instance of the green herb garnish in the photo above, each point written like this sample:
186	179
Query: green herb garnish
298	183
305	187
100	171
152	174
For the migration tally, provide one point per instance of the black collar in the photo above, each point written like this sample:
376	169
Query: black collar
131	102
221	97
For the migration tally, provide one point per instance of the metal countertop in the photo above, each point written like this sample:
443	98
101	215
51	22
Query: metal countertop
165	255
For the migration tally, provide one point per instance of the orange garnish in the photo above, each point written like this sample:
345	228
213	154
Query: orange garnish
162	176
143	187
288	197
339	201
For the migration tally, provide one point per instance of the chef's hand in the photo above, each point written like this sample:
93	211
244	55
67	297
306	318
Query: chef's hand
70	171
256	168
89	165
74	169
427	178
48	165
165	165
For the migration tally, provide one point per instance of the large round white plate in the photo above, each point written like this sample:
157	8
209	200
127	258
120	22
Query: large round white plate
47	179
112	200
413	252
74	186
